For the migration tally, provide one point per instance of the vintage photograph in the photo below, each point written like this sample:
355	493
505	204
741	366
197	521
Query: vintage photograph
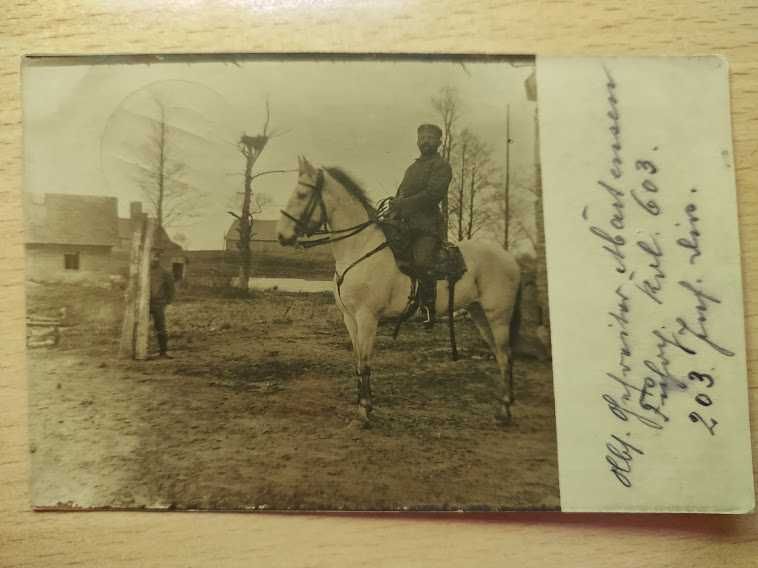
296	282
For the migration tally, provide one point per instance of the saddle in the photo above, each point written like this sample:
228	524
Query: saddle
449	265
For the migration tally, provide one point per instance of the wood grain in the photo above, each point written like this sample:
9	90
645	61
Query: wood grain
548	27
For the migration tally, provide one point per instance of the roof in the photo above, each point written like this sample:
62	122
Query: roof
55	218
164	241
59	218
126	228
263	230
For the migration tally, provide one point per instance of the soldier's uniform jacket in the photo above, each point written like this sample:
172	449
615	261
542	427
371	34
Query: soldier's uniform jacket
423	187
161	287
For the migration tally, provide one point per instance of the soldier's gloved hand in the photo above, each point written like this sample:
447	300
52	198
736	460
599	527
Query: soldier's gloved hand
396	207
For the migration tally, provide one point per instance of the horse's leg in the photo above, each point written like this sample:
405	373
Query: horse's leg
365	337
351	329
364	378
499	345
501	335
477	315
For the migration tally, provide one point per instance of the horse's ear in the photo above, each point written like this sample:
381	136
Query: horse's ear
300	165
308	168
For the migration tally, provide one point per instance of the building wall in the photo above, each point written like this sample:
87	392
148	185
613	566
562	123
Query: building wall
272	247
257	246
217	268
45	263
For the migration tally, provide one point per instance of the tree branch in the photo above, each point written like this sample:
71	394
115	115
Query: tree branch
268	118
266	172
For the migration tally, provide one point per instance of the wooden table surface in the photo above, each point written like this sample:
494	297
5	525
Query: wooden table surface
192	539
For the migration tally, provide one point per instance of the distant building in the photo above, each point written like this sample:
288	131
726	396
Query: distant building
69	237
74	238
264	236
126	227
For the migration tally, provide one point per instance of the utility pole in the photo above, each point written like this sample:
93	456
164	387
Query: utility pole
507	192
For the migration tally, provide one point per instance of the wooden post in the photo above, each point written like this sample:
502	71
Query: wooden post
136	327
142	314
126	347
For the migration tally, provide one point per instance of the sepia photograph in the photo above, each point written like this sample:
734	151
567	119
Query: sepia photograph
295	282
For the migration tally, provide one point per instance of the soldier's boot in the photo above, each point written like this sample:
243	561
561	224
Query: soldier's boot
163	345
428	298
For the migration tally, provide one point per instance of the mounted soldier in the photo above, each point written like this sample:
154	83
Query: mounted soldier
424	186
369	284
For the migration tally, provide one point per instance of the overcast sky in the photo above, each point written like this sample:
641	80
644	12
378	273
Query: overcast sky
85	125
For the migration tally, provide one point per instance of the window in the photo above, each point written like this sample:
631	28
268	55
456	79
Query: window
71	261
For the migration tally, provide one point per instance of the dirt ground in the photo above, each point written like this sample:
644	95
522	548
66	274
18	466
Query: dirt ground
257	410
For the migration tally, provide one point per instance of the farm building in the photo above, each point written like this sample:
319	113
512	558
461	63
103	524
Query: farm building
173	256
69	237
79	238
264	236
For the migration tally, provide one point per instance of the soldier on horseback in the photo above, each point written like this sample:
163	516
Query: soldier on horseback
423	187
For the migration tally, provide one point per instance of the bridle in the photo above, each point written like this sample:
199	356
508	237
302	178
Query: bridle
305	226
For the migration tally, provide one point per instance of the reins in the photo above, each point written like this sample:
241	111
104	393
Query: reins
303	225
350	232
341	277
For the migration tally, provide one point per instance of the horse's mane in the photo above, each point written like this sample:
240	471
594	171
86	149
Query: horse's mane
353	188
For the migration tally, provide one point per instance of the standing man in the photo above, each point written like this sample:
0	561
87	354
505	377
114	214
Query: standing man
423	187
161	294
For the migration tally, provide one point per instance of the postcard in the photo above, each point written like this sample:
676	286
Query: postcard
368	282
645	285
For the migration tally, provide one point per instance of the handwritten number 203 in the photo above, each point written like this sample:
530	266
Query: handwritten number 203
703	400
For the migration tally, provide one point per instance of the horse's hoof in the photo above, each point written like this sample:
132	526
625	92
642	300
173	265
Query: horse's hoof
363	416
504	417
503	421
357	425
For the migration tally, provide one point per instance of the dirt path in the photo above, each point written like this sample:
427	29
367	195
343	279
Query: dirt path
258	412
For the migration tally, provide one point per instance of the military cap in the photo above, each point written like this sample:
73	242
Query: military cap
433	128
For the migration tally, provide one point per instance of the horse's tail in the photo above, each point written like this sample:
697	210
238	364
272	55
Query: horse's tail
515	324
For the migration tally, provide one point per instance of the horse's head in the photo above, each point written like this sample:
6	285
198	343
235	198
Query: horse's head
305	211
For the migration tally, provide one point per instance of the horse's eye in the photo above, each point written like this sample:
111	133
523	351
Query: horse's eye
301	195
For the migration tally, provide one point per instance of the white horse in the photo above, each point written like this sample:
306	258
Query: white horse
369	286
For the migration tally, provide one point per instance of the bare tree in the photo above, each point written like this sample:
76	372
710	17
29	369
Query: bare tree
258	202
251	148
457	208
162	174
511	218
481	173
446	105
473	176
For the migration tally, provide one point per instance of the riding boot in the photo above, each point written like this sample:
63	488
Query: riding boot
428	298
